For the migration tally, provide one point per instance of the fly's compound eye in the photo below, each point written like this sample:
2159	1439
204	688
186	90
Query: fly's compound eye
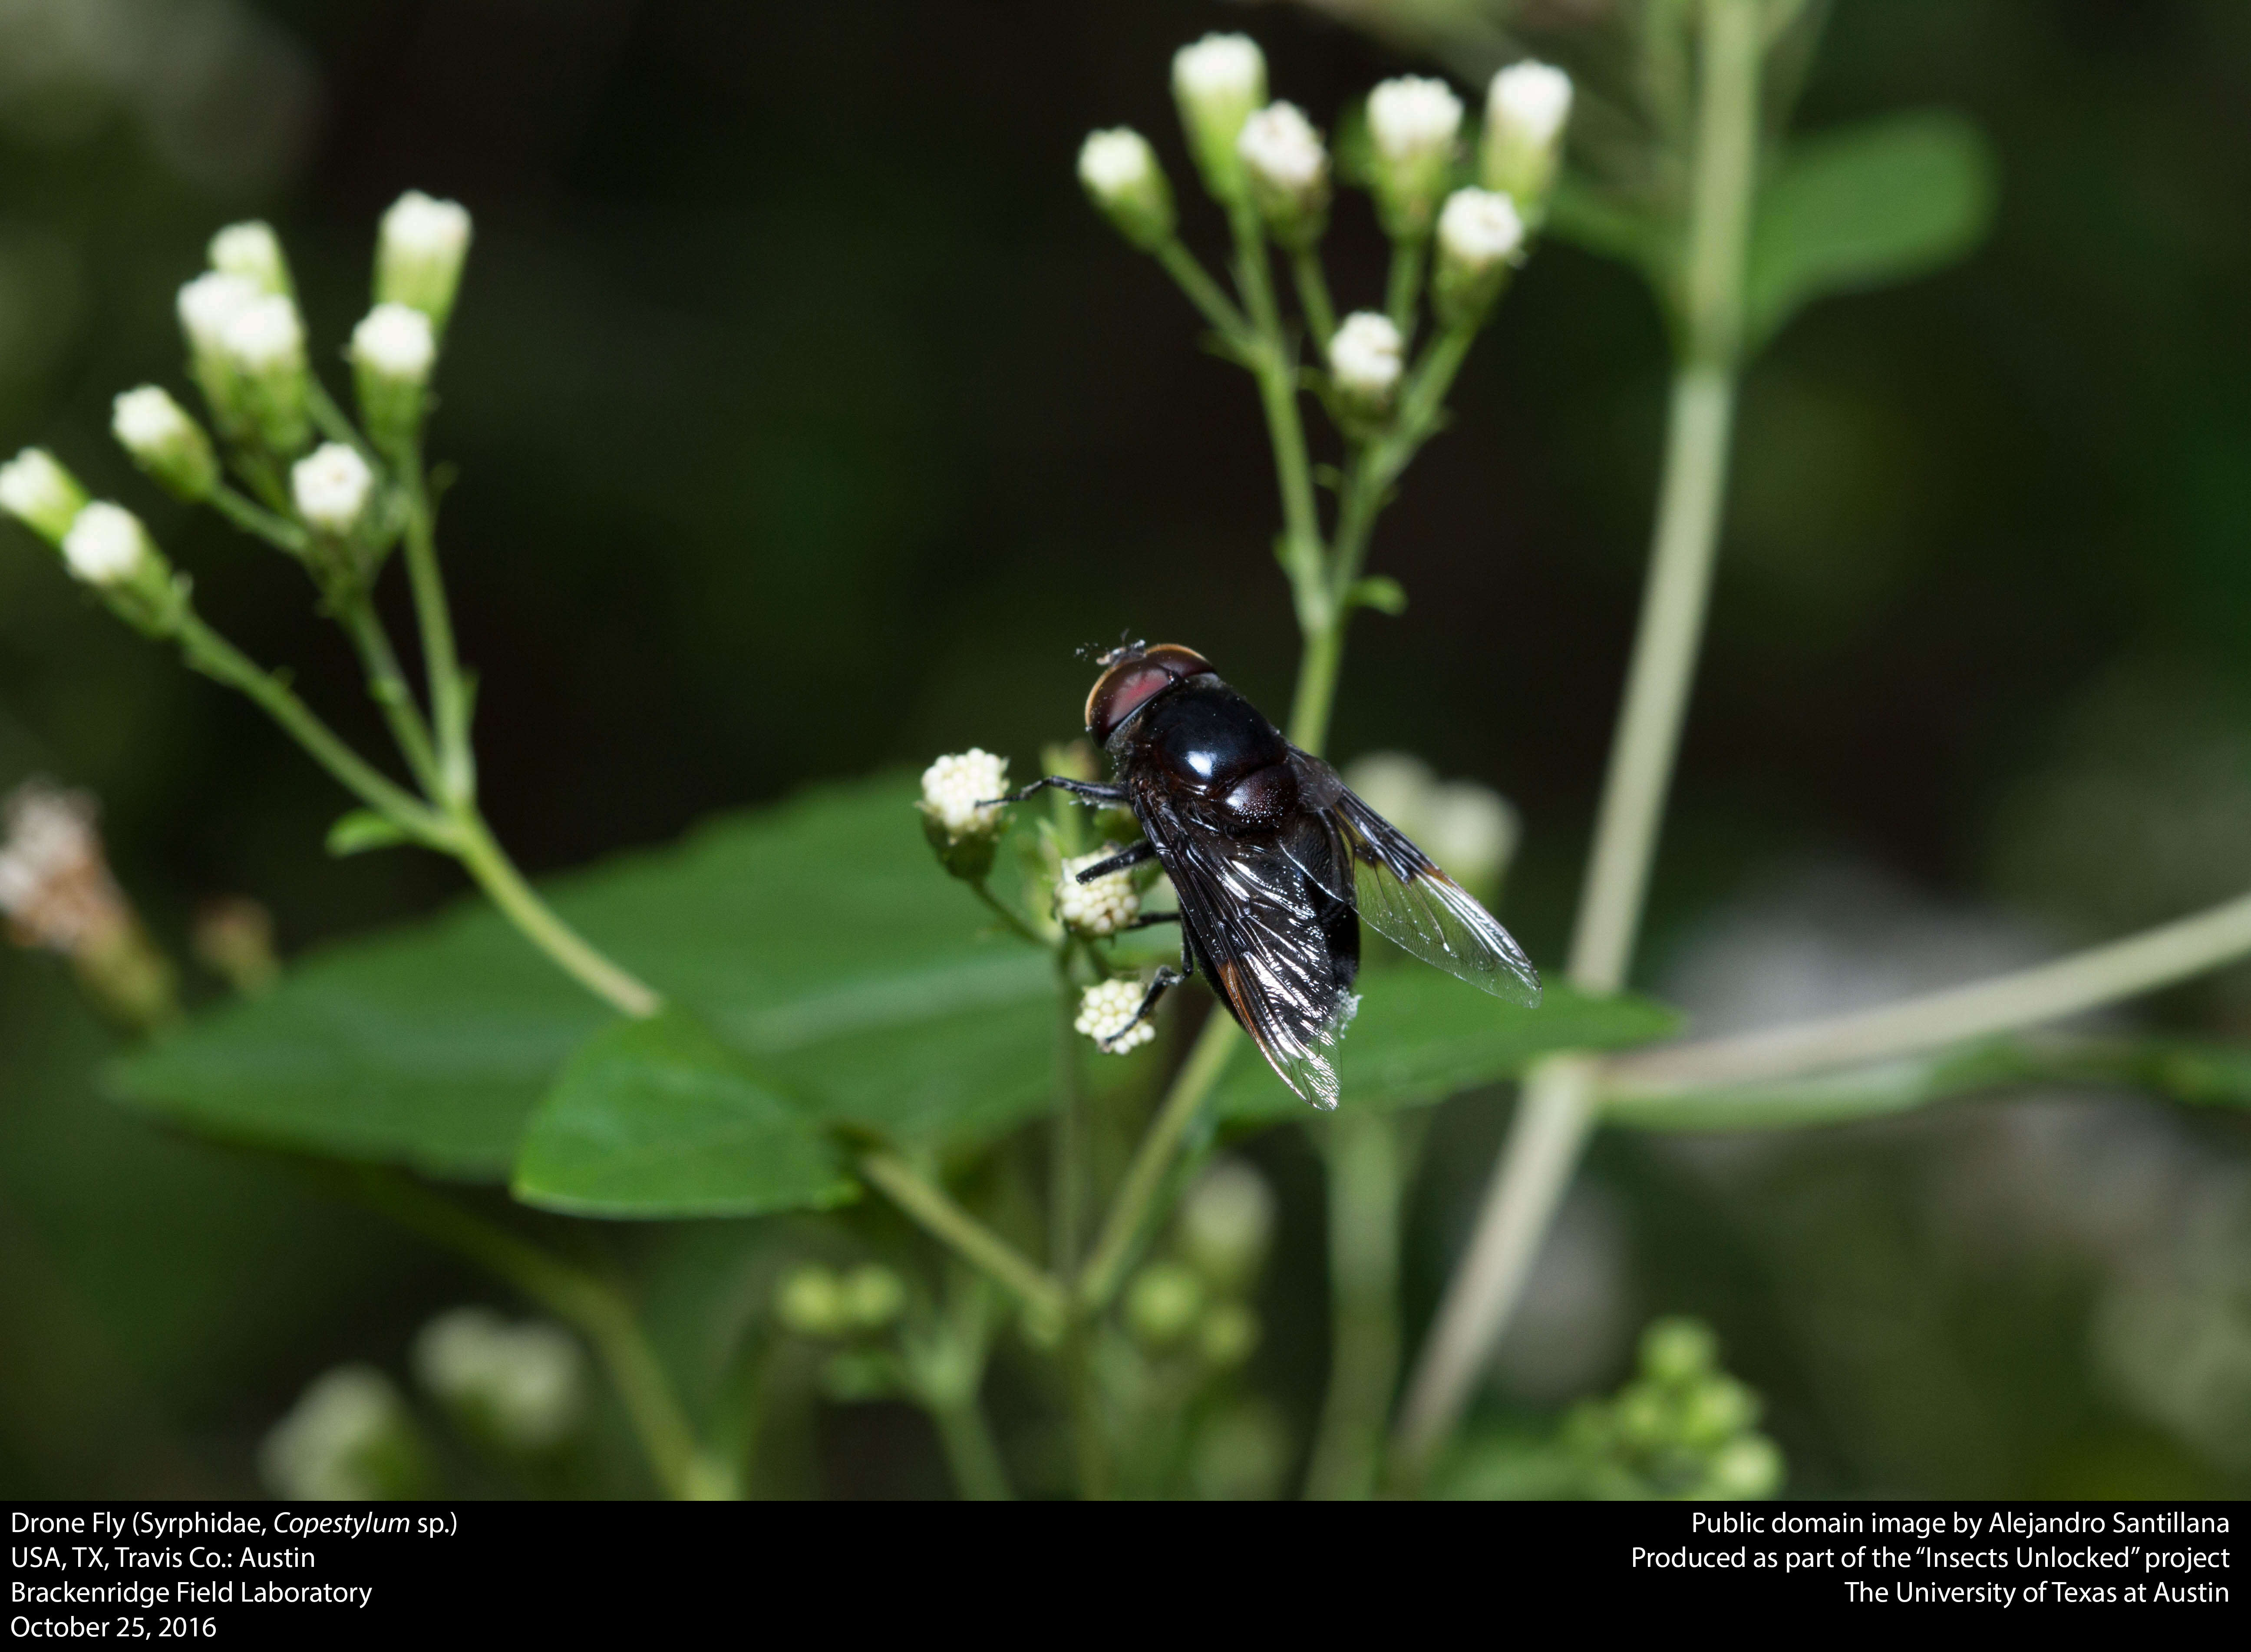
1132	683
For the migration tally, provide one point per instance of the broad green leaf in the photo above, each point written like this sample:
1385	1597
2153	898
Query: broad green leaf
658	1118
2199	1073
1874	204
819	937
1421	1035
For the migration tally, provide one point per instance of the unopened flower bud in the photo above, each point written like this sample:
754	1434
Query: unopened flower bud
106	545
1679	1350
264	344
871	1296
1525	113
253	252
392	349
811	1303
1225	1223
1412	123
1288	168
1106	1015
1163	1304
960	814
56	889
1366	357
1101	907
1217	83
331	487
348	1439
39	493
1228	1335
1480	237
233	938
1122	178
208	305
419	255
523	1386
1744	1468
164	440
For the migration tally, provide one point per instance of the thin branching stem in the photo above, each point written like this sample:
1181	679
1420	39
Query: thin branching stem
935	1209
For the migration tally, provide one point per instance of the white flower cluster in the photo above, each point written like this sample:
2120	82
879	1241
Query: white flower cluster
36	491
55	885
526	1384
958	790
252	252
1366	356
332	1445
1101	907
395	342
419	255
1479	229
1525	111
1280	147
1105	1010
1413	118
1217	83
1121	176
331	486
106	545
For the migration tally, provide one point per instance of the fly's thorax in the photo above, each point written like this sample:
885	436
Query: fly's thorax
1202	737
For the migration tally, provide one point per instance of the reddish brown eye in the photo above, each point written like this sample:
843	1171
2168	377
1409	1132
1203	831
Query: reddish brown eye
1131	684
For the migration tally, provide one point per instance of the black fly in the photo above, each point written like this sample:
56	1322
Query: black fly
1275	862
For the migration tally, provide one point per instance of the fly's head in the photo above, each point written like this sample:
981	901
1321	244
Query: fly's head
1132	675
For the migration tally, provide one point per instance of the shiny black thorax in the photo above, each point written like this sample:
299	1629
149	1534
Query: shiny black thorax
1201	750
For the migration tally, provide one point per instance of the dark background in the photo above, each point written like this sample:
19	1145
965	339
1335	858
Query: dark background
807	421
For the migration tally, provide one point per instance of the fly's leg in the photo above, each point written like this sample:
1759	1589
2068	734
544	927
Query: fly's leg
1150	920
1164	981
1085	791
1118	863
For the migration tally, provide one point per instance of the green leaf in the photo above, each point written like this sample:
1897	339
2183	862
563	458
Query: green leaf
1421	1035
1877	203
819	937
1380	592
658	1118
363	829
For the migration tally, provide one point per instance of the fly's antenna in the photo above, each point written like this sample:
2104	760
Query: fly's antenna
1129	648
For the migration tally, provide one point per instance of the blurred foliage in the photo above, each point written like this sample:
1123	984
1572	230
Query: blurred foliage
807	421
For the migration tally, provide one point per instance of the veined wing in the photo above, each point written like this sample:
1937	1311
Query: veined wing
1407	898
1254	920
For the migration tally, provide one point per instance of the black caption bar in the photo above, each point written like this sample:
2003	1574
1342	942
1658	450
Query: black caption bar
251	1574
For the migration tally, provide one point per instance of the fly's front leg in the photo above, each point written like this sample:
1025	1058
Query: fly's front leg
1165	981
1143	850
1085	791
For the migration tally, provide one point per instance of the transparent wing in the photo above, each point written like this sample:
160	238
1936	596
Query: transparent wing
1405	897
1256	919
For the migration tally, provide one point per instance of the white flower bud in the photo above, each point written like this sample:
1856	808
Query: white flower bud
1366	359
331	486
106	545
419	255
208	303
1523	115
1480	236
164	441
524	1384
1226	1221
958	790
393	349
1105	1010
1413	122
1288	167
1163	1304
1101	907
1217	83
348	1439
253	252
55	884
263	344
39	493
1120	174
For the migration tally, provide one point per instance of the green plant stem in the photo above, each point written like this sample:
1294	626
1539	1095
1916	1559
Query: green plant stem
1555	1111
1366	1162
1271	364
971	1452
2025	998
930	1206
211	654
386	686
257	521
449	705
1205	293
1067	1151
1121	1230
1314	296
1016	925
482	857
1405	283
579	1298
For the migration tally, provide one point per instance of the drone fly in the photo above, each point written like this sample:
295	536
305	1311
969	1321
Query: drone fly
1275	862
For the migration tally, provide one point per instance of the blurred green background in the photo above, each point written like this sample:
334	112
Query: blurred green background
808	421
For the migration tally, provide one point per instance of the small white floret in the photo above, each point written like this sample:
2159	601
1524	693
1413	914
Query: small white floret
1413	118
329	1446
396	341
1479	229
35	489
1365	356
422	227
1101	907
1220	67
209	305
253	252
266	334
106	545
1280	147
1115	163
331	485
958	790
1106	1013
148	421
1530	99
